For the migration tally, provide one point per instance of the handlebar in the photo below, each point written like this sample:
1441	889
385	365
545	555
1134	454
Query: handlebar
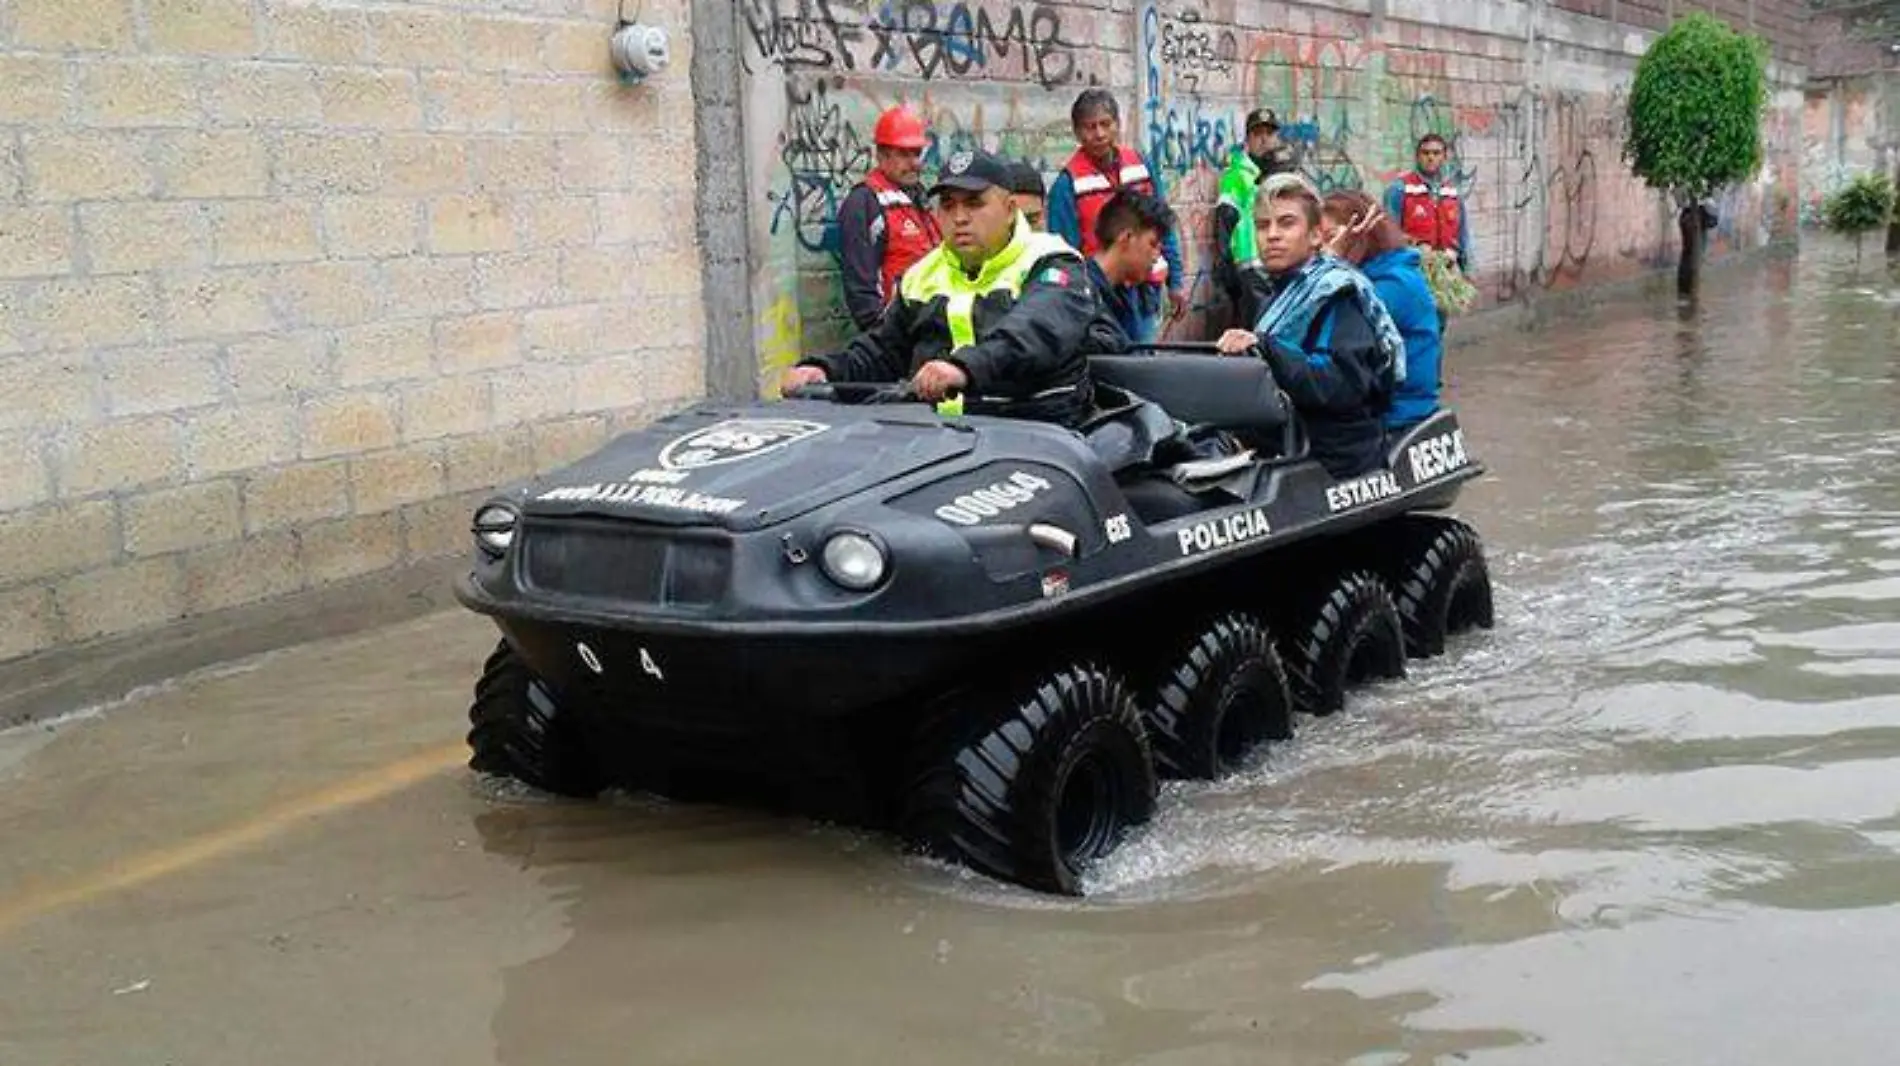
1177	347
855	392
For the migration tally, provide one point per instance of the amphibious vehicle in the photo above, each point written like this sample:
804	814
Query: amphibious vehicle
990	635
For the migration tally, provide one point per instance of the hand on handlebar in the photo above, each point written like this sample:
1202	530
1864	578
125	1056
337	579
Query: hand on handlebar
1237	342
936	378
798	376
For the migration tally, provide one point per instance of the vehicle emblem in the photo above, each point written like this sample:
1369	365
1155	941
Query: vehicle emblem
588	657
735	439
651	667
1055	583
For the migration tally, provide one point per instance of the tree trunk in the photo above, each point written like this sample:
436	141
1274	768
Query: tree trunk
1689	267
1893	223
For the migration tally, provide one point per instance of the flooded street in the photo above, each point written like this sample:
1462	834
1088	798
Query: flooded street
1653	817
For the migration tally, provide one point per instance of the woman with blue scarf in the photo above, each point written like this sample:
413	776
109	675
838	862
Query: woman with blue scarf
1331	345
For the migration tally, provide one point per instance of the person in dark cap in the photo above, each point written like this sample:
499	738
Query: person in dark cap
1237	269
1027	189
997	312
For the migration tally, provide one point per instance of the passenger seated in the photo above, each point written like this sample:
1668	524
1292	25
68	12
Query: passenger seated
998	311
1359	231
1329	341
1129	233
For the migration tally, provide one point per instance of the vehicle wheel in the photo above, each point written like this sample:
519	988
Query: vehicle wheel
1441	584
517	729
1033	782
1348	634
1221	696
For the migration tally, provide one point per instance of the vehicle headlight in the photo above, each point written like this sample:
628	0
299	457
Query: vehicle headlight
495	528
853	560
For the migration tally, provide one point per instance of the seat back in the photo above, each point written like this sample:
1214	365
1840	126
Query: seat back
1234	393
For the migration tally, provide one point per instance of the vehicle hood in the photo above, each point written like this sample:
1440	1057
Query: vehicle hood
748	467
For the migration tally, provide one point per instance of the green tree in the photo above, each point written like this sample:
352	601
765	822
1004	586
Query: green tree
1695	115
1864	204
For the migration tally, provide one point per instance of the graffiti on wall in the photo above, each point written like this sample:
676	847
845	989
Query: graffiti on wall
1539	165
911	39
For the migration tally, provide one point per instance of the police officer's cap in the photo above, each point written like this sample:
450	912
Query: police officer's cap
1025	179
972	171
1262	116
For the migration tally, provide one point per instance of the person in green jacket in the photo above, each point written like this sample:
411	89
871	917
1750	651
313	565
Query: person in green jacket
1237	268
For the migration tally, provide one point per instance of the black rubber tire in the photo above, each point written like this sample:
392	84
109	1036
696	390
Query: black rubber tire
1217	699
1031	782
1349	631
517	729
1440	583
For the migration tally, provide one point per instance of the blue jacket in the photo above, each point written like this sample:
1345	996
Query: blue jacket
1065	221
1399	279
1118	302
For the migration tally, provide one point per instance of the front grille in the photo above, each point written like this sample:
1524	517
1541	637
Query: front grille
616	562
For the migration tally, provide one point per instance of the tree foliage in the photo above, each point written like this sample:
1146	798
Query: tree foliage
1695	110
1864	204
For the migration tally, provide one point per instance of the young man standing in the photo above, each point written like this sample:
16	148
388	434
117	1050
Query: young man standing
882	225
1101	167
1427	206
1129	233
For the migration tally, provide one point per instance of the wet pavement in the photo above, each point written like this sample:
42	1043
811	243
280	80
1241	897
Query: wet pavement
1653	817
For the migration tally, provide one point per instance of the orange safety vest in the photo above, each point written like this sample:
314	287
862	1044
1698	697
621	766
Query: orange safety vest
1093	189
1430	221
909	231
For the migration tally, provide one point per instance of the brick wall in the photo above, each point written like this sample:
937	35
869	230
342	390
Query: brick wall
1536	129
285	284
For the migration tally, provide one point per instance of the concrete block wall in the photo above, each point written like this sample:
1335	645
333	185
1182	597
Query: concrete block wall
1530	95
1850	126
286	284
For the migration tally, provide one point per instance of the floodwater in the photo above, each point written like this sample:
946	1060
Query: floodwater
1654	817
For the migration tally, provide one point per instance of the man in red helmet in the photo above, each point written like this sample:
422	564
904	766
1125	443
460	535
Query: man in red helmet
883	226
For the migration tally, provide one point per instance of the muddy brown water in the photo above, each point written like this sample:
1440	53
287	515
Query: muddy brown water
1654	817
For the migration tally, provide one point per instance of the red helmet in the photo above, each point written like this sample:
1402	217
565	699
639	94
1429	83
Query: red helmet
899	128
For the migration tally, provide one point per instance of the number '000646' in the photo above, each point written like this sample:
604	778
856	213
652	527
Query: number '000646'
992	500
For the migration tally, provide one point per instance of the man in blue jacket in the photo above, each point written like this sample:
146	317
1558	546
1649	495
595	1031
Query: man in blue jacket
1129	234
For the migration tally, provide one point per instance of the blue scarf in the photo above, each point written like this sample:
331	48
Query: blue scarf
1290	316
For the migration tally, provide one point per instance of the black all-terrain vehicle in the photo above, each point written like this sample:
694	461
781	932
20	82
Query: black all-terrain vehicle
991	635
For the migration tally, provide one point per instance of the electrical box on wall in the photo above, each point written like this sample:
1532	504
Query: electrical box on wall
639	51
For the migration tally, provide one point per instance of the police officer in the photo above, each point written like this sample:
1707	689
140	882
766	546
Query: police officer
998	311
1027	189
882	225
